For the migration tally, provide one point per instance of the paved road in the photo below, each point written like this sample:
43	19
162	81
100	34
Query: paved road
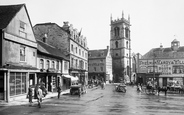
105	102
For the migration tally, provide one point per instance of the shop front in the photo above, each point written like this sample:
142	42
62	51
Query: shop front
50	78
14	82
170	80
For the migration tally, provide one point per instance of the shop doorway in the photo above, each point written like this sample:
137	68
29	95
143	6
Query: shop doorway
31	79
1	85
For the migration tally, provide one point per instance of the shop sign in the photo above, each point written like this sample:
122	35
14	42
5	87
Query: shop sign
162	62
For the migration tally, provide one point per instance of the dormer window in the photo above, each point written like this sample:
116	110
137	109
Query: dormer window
45	38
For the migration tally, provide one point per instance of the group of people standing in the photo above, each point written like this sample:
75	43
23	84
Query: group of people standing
38	92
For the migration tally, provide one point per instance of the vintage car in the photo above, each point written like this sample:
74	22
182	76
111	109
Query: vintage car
121	88
77	90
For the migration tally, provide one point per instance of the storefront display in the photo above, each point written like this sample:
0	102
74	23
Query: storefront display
17	83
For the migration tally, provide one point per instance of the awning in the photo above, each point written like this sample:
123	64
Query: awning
71	77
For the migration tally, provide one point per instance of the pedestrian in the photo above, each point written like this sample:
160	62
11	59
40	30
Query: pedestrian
39	96
29	95
59	91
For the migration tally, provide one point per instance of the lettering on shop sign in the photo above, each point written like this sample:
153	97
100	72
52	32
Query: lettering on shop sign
161	62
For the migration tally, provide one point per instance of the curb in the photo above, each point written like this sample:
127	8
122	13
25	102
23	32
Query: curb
24	101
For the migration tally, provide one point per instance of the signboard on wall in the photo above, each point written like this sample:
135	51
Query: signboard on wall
164	66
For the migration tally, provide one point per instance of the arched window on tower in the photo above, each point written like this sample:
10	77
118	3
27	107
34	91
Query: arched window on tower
126	32
127	44
116	44
116	31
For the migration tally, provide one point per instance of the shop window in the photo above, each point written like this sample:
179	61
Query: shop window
17	83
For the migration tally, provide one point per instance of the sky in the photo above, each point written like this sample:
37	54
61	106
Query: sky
153	22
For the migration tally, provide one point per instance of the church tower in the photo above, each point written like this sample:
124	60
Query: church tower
120	46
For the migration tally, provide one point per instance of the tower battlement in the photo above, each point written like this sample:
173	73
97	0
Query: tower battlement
120	20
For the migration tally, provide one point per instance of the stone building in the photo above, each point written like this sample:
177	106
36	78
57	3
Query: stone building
18	52
100	64
164	65
69	39
120	46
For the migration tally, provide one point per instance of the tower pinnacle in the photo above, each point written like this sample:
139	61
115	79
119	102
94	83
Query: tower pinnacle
122	14
111	17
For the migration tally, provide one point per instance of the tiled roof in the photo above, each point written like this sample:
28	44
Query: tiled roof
165	53
47	49
7	13
51	24
101	53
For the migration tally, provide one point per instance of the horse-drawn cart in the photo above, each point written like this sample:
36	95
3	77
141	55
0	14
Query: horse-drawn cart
77	90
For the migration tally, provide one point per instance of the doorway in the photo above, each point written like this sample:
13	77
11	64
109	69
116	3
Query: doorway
1	85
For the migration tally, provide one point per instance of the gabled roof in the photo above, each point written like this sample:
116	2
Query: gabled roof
101	53
7	13
166	53
50	50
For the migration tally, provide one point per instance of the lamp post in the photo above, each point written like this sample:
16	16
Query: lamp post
154	55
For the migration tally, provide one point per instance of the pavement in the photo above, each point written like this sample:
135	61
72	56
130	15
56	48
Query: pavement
24	101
